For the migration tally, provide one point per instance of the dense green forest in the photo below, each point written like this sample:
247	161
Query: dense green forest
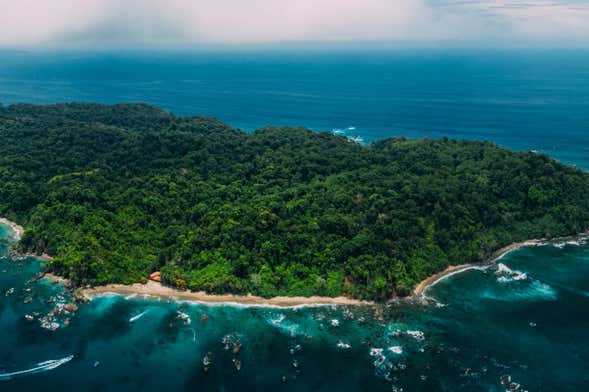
114	193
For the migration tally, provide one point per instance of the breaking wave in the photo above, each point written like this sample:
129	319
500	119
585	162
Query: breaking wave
506	274
533	290
281	323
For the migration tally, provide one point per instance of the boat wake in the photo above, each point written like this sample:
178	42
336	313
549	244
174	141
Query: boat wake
137	317
41	367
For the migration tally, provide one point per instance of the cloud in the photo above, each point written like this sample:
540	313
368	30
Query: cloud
161	22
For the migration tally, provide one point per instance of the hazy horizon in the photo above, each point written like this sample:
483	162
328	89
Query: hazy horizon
228	24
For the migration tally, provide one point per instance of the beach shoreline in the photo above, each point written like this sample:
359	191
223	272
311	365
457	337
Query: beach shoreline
157	290
16	230
153	289
451	270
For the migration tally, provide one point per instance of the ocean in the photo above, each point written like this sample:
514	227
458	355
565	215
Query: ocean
524	100
522	321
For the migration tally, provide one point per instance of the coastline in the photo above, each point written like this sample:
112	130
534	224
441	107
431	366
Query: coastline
158	290
16	231
451	270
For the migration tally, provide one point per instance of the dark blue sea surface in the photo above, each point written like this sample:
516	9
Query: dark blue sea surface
523	319
524	100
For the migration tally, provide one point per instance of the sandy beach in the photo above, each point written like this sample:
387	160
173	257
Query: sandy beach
155	289
158	290
425	284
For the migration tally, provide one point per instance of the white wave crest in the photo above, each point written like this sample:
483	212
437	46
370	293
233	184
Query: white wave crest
417	335
506	274
533	291
278	319
284	325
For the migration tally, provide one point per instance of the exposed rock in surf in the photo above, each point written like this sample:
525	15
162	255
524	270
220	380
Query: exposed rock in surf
396	349
80	298
505	379
38	277
343	345
207	360
184	317
70	307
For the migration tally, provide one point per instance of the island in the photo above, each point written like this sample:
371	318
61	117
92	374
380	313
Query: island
112	194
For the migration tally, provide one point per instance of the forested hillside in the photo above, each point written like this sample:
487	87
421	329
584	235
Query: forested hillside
114	193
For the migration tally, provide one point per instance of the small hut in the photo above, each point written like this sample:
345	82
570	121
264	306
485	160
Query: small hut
156	277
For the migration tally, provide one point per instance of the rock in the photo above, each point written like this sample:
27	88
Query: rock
513	387
80	298
39	276
236	347
71	307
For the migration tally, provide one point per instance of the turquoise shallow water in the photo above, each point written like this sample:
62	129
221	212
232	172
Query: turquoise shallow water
525	318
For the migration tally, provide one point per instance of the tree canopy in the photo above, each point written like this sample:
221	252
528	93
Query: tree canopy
114	193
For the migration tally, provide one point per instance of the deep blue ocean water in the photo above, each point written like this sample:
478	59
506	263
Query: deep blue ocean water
525	100
525	318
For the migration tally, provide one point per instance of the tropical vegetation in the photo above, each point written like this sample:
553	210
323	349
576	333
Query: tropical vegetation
114	193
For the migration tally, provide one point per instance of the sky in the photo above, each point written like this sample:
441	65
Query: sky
168	23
